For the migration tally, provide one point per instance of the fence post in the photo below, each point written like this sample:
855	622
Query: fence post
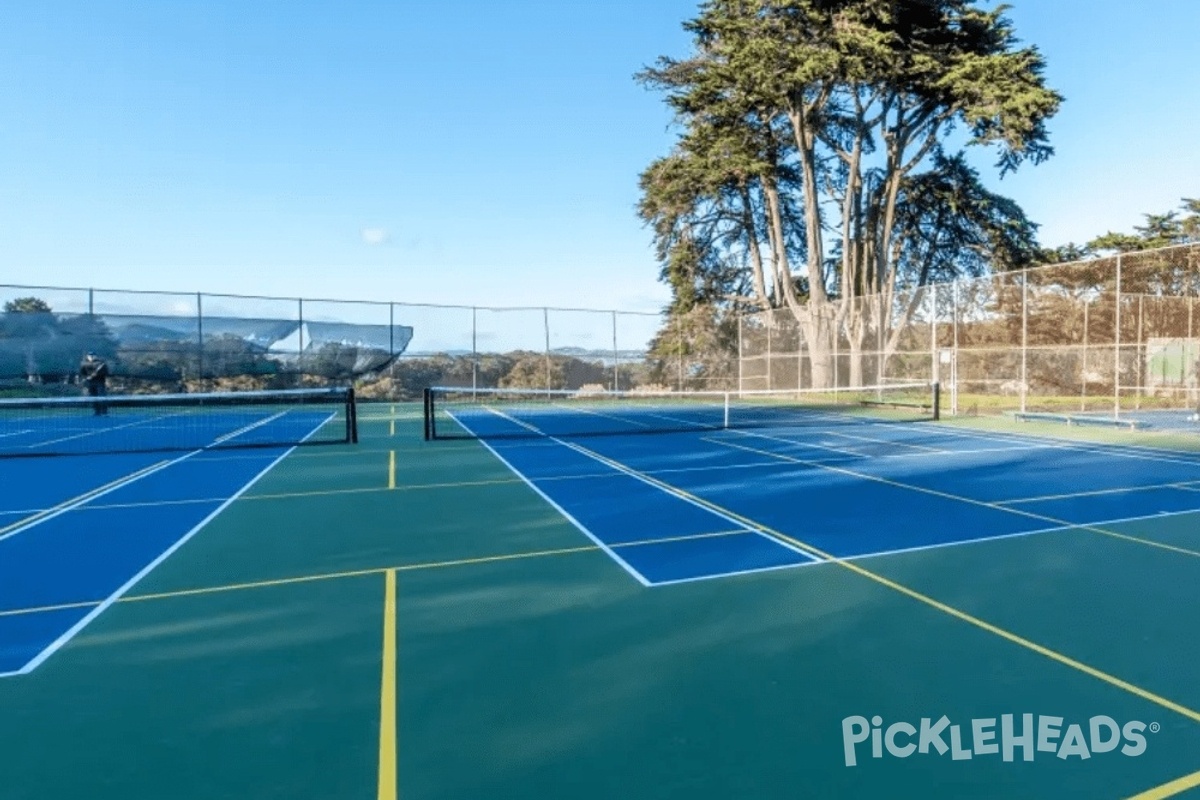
954	350
392	330
199	337
1188	364
1024	337
616	356
474	351
879	339
300	337
91	302
837	335
741	357
770	325
546	327
1141	377
934	370
679	355
1117	347
1083	373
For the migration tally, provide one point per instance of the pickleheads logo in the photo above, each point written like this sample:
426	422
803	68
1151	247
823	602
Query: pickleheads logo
982	737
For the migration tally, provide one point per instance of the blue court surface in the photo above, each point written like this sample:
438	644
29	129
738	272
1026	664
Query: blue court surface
696	505
78	531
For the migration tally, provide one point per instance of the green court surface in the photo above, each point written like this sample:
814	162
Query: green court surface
410	619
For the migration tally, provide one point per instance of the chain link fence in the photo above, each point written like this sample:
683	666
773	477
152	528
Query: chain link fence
160	341
1108	334
1112	334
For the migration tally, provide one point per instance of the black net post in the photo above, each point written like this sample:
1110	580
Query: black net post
351	417
427	397
937	401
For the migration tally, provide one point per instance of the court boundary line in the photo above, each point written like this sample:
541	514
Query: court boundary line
624	565
225	437
36	518
938	605
100	432
1098	492
889	442
1128	451
358	573
499	558
103	605
71	632
958	498
632	474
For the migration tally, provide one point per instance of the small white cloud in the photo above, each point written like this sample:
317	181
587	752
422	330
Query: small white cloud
374	236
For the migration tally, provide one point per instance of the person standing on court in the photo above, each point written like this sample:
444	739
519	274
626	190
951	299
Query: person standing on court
94	372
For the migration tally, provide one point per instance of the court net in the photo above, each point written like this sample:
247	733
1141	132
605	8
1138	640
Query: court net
43	426
458	413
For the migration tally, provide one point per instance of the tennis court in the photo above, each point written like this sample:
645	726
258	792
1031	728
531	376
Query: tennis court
511	596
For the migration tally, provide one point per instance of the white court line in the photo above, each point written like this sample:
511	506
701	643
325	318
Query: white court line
673	492
247	428
775	464
88	497
643	479
1052	442
1097	492
687	537
1061	526
841	420
718	575
101	431
1032	442
54	646
16	433
888	442
583	528
1072	526
812	445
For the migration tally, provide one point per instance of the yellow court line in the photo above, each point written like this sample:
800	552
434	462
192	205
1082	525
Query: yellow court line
387	694
392	469
1170	789
326	576
995	630
969	500
399	487
78	499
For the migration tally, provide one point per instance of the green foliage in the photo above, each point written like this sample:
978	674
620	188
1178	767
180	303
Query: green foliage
1160	230
951	225
38	345
696	349
406	378
27	305
535	371
812	161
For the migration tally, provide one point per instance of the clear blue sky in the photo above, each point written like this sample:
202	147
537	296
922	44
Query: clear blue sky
461	151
